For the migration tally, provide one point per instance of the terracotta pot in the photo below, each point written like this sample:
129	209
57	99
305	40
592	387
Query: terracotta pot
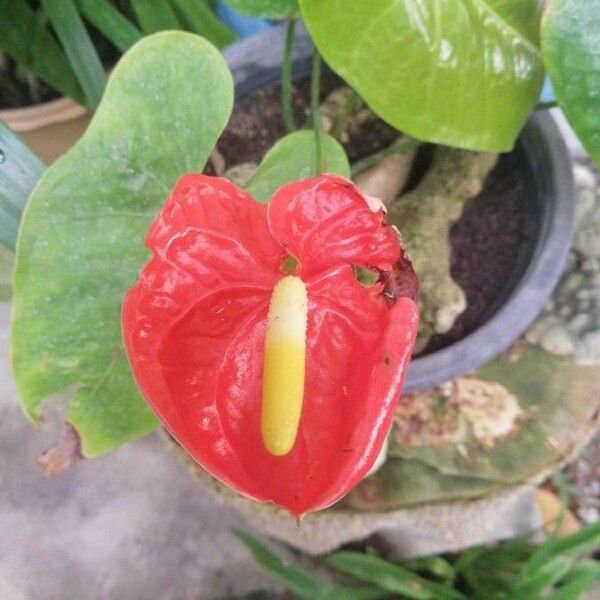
50	128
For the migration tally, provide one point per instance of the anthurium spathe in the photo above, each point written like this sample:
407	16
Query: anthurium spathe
251	335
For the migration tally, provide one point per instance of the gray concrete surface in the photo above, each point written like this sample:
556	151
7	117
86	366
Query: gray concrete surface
130	525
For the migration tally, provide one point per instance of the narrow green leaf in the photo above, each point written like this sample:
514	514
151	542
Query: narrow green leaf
297	580
391	577
35	48
586	566
301	582
294	157
575	587
20	170
435	565
464	73
198	17
338	592
488	570
114	25
81	240
467	558
78	46
267	9
571	47
551	572
579	543
154	15
585	540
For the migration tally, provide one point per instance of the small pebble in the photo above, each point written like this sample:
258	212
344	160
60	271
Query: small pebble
579	323
571	262
572	283
589	514
590	266
584	294
558	341
565	311
584	177
592	339
584	206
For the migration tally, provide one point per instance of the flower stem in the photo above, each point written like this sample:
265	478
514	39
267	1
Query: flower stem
286	79
400	146
315	114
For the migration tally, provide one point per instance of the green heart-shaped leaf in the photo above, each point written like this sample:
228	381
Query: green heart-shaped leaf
80	245
267	9
295	157
571	47
464	73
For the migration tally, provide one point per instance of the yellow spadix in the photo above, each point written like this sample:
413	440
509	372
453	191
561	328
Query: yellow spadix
284	365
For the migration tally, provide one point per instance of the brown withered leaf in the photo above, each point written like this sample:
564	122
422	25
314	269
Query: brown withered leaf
67	452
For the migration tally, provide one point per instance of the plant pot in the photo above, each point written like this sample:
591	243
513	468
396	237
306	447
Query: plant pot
407	532
50	128
544	160
444	523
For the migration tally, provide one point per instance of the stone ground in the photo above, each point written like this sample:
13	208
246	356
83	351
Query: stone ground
130	525
126	526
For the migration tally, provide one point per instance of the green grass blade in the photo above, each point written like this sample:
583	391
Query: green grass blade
108	20
301	582
154	15
576	585
78	46
20	170
548	574
491	571
586	566
434	565
585	540
467	558
199	18
391	577
297	580
35	48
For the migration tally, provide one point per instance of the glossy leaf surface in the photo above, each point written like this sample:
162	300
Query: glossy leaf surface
463	73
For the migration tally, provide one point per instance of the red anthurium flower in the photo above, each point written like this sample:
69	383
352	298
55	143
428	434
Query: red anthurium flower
252	338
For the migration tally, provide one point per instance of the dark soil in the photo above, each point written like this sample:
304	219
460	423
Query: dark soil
485	247
257	123
485	241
